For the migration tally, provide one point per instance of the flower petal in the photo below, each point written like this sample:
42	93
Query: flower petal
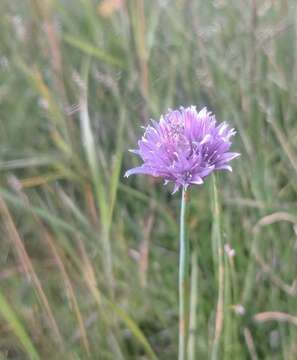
224	167
175	189
228	156
197	180
139	170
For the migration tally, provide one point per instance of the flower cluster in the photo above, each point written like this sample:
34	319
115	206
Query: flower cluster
184	147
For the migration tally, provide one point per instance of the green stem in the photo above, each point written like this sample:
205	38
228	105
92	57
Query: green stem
219	261
183	282
193	306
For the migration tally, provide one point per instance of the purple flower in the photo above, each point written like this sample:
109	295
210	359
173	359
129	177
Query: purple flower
184	147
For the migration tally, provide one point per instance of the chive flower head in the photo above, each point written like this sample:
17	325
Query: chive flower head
184	147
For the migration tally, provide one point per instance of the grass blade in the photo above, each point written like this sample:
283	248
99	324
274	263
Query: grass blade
89	49
219	263
10	316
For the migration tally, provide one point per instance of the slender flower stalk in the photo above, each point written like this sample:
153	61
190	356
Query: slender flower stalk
183	281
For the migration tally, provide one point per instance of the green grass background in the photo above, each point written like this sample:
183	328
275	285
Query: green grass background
88	259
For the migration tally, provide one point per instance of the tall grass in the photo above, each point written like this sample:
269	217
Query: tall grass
88	259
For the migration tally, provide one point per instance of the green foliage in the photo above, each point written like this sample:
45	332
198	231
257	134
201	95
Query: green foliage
96	277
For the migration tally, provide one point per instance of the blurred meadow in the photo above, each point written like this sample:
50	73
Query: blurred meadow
89	259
